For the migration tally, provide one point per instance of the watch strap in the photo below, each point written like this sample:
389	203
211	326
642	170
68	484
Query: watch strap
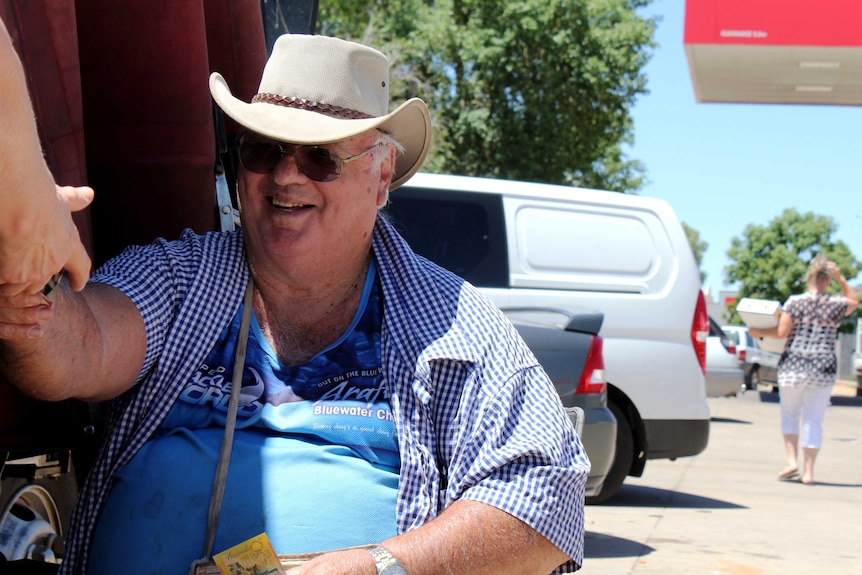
383	559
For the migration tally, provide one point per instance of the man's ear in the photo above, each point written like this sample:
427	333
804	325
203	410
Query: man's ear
387	172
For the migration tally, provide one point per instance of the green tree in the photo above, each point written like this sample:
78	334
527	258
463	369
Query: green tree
537	90
771	261
698	247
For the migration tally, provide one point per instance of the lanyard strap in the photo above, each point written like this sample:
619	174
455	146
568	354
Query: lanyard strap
229	426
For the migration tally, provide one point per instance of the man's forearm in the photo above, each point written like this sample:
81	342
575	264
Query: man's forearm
27	365
468	538
89	345
54	350
477	539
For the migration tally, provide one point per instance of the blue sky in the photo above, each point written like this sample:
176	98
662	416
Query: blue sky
724	166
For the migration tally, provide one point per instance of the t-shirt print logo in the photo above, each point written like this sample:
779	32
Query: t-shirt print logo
210	386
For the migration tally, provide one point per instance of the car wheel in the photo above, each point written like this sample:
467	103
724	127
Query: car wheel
34	517
753	379
623	457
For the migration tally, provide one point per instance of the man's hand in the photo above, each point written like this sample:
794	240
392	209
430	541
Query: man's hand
347	562
43	244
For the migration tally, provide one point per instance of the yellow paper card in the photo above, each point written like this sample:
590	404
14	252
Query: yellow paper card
255	556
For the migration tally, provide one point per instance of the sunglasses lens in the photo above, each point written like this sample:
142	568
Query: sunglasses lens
317	163
259	156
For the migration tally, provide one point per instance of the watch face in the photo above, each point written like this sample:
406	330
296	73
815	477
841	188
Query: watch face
394	570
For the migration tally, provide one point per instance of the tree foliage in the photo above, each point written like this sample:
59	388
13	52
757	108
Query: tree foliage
698	247
537	90
771	261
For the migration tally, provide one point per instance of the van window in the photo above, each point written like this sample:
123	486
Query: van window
460	231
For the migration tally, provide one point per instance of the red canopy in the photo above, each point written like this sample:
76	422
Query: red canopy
775	51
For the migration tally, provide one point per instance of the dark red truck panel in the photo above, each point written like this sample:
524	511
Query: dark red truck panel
120	91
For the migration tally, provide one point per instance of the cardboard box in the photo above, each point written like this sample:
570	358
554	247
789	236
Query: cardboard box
763	314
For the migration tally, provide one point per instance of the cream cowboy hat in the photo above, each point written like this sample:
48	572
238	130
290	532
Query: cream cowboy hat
320	90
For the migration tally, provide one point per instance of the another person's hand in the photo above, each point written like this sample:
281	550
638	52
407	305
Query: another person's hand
833	270
44	243
21	315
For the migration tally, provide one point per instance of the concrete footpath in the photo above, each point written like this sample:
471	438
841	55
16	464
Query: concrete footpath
724	512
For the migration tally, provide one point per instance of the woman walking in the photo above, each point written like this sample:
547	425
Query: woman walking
808	366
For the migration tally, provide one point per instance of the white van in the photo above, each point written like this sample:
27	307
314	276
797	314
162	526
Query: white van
536	245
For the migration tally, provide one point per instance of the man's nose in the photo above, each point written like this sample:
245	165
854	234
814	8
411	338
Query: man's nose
287	168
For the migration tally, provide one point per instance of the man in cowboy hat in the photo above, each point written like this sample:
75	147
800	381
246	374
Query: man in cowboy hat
382	400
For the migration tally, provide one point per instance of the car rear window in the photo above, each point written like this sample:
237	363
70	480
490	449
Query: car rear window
461	231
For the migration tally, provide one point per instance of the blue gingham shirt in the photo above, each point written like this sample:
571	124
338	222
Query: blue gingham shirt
477	417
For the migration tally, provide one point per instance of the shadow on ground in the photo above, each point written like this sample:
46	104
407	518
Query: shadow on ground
601	546
830	484
768	397
729	420
837	400
846	401
643	496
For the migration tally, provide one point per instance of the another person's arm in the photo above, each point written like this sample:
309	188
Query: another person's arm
852	299
782	330
38	237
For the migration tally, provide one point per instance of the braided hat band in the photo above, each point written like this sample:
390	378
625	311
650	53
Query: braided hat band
303	104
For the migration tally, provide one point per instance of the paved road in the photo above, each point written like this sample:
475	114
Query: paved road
724	512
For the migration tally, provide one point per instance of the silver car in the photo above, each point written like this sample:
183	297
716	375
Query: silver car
759	365
569	348
724	372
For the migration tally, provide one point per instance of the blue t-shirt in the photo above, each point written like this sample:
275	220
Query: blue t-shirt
315	449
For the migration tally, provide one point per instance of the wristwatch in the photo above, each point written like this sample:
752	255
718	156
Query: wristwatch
51	287
386	563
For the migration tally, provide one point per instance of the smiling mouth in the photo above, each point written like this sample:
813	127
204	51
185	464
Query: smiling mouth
287	205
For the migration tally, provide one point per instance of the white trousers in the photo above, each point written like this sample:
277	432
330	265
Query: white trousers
807	404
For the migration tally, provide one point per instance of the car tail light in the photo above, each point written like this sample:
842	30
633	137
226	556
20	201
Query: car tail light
741	355
593	375
700	330
729	345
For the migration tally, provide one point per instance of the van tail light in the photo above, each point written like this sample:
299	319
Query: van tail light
700	330
741	355
593	375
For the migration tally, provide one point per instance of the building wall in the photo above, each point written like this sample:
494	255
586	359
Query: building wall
844	349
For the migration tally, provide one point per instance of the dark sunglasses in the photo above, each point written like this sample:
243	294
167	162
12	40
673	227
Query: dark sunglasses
260	156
